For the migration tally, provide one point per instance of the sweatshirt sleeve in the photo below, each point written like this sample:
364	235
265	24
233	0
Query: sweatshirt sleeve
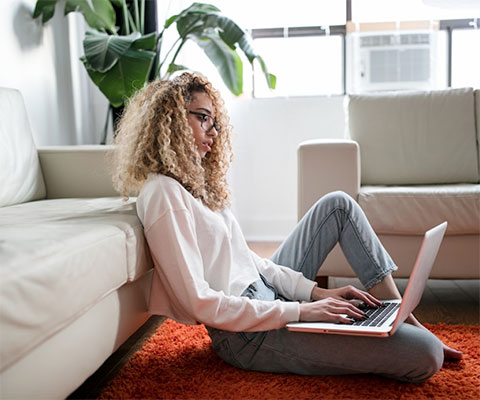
178	263
289	283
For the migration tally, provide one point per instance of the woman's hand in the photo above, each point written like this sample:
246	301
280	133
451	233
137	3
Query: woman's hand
333	305
330	310
346	293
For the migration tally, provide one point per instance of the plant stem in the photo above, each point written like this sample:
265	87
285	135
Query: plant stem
142	17
132	22
125	18
166	56
158	51
184	38
137	15
176	53
159	64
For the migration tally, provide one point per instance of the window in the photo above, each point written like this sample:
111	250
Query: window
307	59
304	66
411	10
384	45
251	14
466	58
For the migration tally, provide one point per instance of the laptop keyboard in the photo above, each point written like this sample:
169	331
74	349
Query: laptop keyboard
377	316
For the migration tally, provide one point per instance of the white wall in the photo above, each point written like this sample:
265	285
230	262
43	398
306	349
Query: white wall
33	62
264	173
38	60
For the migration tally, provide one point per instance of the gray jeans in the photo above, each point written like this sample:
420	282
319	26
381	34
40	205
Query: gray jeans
411	354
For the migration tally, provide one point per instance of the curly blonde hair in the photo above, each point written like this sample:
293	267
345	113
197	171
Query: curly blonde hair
154	136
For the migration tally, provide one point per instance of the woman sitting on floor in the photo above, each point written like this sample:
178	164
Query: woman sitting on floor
174	149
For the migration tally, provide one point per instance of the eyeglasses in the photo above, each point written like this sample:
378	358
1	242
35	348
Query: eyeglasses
207	122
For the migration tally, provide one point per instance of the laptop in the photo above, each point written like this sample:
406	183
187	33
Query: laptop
384	321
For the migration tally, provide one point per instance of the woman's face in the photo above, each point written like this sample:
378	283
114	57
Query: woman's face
201	118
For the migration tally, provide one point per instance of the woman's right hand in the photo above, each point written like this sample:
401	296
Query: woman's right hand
330	310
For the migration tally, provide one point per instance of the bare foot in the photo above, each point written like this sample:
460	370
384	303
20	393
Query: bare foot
451	354
448	353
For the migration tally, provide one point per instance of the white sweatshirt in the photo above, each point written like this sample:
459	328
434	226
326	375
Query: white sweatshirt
203	264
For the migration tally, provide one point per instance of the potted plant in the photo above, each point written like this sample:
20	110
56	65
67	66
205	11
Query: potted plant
120	57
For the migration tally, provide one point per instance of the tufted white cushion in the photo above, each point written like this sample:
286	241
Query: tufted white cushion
410	138
20	174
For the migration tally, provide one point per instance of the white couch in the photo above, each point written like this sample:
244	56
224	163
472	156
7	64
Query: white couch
411	160
74	267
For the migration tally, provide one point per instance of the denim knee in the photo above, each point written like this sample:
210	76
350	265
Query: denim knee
335	200
338	197
429	358
432	359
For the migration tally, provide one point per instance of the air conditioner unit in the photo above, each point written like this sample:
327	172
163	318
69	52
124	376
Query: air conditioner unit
392	61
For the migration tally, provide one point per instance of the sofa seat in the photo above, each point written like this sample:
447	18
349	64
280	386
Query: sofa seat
412	210
59	258
411	160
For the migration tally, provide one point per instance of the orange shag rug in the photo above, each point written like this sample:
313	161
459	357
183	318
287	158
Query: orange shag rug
177	362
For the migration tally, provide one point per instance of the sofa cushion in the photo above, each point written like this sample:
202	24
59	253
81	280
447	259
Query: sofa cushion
412	210
413	138
58	258
20	172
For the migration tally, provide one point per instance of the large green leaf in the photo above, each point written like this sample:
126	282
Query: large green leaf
193	23
105	11
45	8
118	3
129	74
226	60
229	31
233	35
101	17
146	42
271	79
195	8
102	51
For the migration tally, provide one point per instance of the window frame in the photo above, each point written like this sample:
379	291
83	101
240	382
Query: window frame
303	31
449	26
308	31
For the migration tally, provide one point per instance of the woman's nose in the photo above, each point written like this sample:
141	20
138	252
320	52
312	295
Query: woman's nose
212	132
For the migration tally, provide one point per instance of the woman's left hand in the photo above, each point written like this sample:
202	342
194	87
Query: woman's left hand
346	293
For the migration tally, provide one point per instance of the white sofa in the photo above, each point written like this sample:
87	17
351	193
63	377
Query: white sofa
411	160
74	267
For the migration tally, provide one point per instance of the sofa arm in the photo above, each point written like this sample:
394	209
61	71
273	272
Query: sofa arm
76	171
326	165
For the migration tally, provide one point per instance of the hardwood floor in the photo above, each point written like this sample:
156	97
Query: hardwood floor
448	301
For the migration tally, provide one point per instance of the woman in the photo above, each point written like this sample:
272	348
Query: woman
174	149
